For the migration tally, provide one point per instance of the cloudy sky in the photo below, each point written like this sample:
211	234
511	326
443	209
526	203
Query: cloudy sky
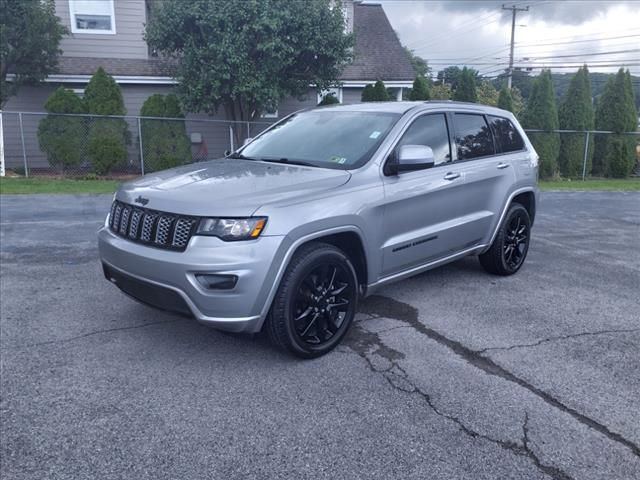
558	34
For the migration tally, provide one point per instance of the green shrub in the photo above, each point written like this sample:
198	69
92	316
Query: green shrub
165	143
620	159
505	100
329	99
542	114
375	93
60	137
107	145
466	89
420	90
108	137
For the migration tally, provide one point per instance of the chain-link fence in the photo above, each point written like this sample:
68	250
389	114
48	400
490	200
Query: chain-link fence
71	145
585	153
96	146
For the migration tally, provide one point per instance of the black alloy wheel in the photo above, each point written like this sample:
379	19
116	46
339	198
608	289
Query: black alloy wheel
315	303
511	245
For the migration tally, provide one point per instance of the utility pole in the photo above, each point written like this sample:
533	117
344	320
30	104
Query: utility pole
514	10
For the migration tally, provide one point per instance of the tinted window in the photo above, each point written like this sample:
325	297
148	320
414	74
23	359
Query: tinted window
506	135
473	136
430	130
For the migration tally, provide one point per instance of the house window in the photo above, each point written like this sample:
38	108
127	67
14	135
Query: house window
269	113
92	16
336	92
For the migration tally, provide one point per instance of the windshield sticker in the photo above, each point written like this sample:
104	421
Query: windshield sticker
337	159
375	134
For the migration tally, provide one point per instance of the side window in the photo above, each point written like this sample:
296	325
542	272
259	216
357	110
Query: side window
430	130
473	136
507	137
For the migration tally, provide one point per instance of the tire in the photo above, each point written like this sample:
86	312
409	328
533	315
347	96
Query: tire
315	302
511	245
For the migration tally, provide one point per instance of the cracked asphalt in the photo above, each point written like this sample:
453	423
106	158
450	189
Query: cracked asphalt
453	374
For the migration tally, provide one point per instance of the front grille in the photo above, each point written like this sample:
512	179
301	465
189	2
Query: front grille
150	227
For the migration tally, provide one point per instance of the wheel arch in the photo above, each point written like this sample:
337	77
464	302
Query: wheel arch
347	238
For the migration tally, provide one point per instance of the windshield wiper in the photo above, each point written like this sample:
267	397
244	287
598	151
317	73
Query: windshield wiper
239	156
289	161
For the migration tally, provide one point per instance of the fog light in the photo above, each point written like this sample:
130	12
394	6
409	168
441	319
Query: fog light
213	281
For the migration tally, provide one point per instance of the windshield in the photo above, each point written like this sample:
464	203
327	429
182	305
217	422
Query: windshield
323	138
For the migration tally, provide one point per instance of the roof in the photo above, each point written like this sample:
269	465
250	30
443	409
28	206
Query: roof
378	53
403	107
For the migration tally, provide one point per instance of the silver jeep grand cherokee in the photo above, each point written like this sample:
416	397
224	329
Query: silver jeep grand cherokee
323	208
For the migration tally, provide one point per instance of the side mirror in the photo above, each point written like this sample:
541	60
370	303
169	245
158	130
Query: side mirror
412	157
247	140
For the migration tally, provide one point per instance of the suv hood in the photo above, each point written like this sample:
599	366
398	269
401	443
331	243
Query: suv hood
227	187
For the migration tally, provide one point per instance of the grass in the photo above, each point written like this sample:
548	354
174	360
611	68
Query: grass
593	185
19	185
56	185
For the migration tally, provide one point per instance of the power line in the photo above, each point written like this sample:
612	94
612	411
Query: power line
575	41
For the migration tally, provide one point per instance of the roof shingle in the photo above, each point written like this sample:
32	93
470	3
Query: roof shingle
378	53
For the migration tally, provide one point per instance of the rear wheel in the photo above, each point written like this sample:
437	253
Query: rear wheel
510	247
315	303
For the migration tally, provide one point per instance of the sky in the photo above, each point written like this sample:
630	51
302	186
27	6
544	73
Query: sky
559	34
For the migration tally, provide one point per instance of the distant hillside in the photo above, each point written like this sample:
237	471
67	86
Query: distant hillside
561	84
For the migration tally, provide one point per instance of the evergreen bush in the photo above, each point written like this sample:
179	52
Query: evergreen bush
108	137
165	143
328	99
505	100
616	111
542	114
375	93
420	90
466	88
576	113
61	137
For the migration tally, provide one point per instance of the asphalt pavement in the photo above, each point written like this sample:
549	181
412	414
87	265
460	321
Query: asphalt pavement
453	374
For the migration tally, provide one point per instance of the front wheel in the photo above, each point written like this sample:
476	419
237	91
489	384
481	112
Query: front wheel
510	247
315	303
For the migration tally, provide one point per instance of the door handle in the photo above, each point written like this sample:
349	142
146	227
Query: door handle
451	176
502	166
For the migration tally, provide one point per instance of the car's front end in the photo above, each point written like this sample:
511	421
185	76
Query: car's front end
168	261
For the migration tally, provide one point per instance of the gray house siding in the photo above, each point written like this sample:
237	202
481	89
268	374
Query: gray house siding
127	42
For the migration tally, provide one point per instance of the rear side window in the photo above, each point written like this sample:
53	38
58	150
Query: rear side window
430	130
507	137
473	136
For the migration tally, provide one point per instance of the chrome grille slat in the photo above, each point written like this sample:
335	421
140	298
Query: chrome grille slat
153	228
124	220
135	223
147	226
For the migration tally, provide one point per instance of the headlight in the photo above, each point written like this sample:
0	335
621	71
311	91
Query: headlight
231	229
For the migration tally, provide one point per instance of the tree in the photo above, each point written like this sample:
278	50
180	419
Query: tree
576	113
61	137
375	93
615	112
420	90
30	34
165	143
419	64
329	99
487	94
466	89
541	113
246	56
441	92
108	137
505	100
518	101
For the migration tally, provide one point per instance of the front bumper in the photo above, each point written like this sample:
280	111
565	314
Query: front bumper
144	273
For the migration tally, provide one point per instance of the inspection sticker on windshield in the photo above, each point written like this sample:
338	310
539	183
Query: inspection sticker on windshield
337	159
374	134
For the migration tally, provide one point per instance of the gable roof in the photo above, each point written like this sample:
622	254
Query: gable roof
378	53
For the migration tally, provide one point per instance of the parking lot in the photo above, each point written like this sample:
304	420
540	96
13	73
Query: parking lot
453	374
